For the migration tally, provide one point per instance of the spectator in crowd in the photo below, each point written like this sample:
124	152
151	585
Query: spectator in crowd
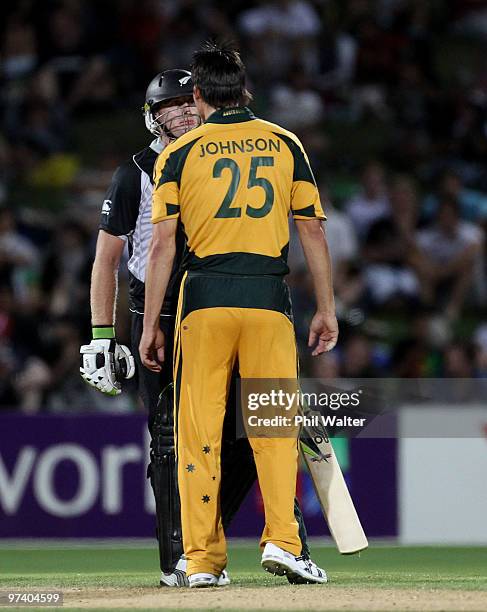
296	93
473	203
18	256
337	55
372	202
480	344
79	74
8	393
344	253
470	17
188	30
418	354
359	80
357	357
459	360
326	368
452	256
3	170
389	249
19	56
65	279
280	33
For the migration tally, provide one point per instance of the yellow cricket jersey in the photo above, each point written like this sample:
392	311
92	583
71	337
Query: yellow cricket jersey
232	182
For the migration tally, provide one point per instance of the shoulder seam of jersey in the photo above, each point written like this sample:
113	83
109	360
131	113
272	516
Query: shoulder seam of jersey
178	156
302	170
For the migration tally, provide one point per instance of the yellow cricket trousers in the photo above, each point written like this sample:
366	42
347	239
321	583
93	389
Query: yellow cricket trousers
212	333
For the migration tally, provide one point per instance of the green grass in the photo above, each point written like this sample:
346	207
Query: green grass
381	566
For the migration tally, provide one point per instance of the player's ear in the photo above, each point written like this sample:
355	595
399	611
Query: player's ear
196	94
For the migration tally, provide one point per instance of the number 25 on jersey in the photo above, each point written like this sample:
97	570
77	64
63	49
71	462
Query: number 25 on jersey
226	210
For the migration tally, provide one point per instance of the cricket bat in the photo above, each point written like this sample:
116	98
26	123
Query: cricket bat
332	491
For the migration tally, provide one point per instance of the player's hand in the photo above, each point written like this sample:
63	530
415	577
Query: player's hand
323	333
151	349
104	364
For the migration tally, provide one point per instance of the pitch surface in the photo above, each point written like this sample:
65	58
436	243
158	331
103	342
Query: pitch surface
382	578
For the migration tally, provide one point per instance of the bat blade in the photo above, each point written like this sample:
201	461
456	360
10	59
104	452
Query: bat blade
333	494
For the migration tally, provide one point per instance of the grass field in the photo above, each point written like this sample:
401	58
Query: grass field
382	578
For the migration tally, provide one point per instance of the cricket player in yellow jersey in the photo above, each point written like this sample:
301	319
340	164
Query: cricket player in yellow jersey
232	183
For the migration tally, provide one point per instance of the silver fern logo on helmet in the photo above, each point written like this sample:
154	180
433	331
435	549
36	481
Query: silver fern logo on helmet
184	80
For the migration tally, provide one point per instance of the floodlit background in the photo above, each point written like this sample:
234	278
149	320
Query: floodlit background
389	98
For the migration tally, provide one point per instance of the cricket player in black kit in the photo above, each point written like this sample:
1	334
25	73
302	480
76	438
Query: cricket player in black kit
126	219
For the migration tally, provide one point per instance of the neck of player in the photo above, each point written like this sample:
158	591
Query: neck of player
206	110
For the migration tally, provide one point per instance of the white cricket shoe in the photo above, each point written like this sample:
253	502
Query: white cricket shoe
313	569
298	570
202	580
224	579
178	577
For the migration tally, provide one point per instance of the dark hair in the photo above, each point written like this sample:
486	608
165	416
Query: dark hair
219	73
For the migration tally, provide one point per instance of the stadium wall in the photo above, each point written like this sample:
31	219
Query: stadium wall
85	476
443	480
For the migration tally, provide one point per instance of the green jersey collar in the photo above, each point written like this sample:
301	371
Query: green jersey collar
234	114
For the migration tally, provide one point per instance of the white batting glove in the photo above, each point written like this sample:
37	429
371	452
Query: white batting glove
105	363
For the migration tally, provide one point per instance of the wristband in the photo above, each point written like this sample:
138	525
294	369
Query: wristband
103	332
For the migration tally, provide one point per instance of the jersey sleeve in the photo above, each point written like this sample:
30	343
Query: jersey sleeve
305	197
120	207
165	197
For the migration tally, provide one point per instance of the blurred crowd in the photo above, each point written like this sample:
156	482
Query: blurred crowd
390	100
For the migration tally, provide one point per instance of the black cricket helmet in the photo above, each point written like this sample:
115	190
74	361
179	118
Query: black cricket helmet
167	86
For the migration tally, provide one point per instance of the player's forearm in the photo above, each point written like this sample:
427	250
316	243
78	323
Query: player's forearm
104	286
158	272
104	278
318	259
